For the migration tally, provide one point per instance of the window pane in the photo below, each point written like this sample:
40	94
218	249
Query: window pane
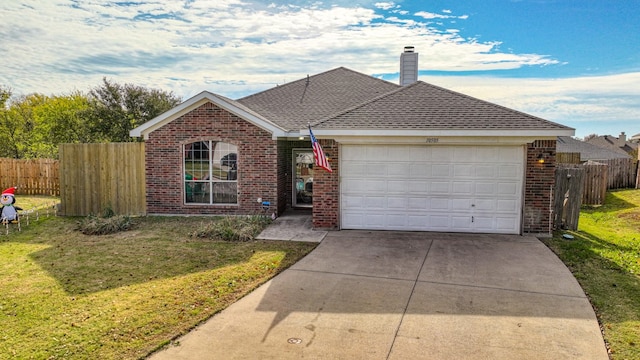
211	173
225	192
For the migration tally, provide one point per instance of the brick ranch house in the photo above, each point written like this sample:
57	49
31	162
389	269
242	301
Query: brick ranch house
415	157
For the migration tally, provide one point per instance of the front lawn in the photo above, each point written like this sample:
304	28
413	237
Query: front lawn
65	295
605	258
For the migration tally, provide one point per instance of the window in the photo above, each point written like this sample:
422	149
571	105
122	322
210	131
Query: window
210	173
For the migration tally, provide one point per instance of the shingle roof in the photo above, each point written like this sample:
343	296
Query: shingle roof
613	143
566	144
423	106
298	103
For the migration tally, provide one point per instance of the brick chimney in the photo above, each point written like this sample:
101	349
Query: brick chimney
408	66
622	137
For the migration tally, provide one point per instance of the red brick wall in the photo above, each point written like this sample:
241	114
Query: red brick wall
326	190
257	162
538	185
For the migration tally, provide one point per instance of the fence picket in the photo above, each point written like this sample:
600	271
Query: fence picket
100	176
31	176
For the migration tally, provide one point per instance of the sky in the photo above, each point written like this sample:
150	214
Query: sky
575	62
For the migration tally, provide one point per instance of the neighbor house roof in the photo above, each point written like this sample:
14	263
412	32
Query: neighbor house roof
422	106
566	144
308	100
613	143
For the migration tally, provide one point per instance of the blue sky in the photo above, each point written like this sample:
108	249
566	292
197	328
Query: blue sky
576	62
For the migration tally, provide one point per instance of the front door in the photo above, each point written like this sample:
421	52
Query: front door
303	178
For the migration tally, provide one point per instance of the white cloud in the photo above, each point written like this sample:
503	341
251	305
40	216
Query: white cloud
429	15
385	5
233	48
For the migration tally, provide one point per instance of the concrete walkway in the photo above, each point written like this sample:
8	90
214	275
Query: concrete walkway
293	225
394	295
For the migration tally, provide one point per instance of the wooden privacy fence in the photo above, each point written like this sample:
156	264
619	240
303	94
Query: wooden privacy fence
568	158
32	177
595	183
96	177
568	196
621	173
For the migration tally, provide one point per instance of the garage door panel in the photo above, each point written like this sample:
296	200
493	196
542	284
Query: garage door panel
440	187
354	153
418	188
357	169
397	186
375	153
432	188
509	172
484	223
376	202
461	222
506	205
439	204
460	204
463	171
484	188
397	203
376	169
462	188
510	189
419	170
443	154
505	224
418	203
439	222
399	170
417	221
371	186
488	171
441	170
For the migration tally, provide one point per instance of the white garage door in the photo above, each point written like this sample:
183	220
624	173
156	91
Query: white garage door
432	188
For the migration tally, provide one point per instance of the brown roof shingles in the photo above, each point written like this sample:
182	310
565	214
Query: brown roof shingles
298	103
345	99
423	106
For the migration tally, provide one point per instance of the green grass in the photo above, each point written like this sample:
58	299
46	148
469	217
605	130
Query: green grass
66	295
605	258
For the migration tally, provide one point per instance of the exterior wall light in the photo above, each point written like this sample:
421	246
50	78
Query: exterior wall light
541	159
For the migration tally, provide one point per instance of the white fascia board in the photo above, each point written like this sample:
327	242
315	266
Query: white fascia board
440	140
538	134
199	100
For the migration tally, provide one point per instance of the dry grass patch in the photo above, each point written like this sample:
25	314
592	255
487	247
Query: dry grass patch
123	295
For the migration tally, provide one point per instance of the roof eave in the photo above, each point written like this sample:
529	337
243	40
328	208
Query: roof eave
538	133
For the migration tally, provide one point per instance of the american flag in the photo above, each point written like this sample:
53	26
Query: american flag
321	160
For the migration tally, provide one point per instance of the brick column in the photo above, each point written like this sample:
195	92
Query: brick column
326	190
538	187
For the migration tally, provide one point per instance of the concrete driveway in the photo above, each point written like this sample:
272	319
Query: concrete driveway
394	295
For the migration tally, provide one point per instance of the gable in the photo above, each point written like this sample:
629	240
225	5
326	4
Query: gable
206	97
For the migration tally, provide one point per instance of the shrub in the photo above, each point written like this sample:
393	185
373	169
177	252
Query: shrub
233	228
94	225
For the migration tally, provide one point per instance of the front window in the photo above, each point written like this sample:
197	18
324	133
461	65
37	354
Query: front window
210	173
